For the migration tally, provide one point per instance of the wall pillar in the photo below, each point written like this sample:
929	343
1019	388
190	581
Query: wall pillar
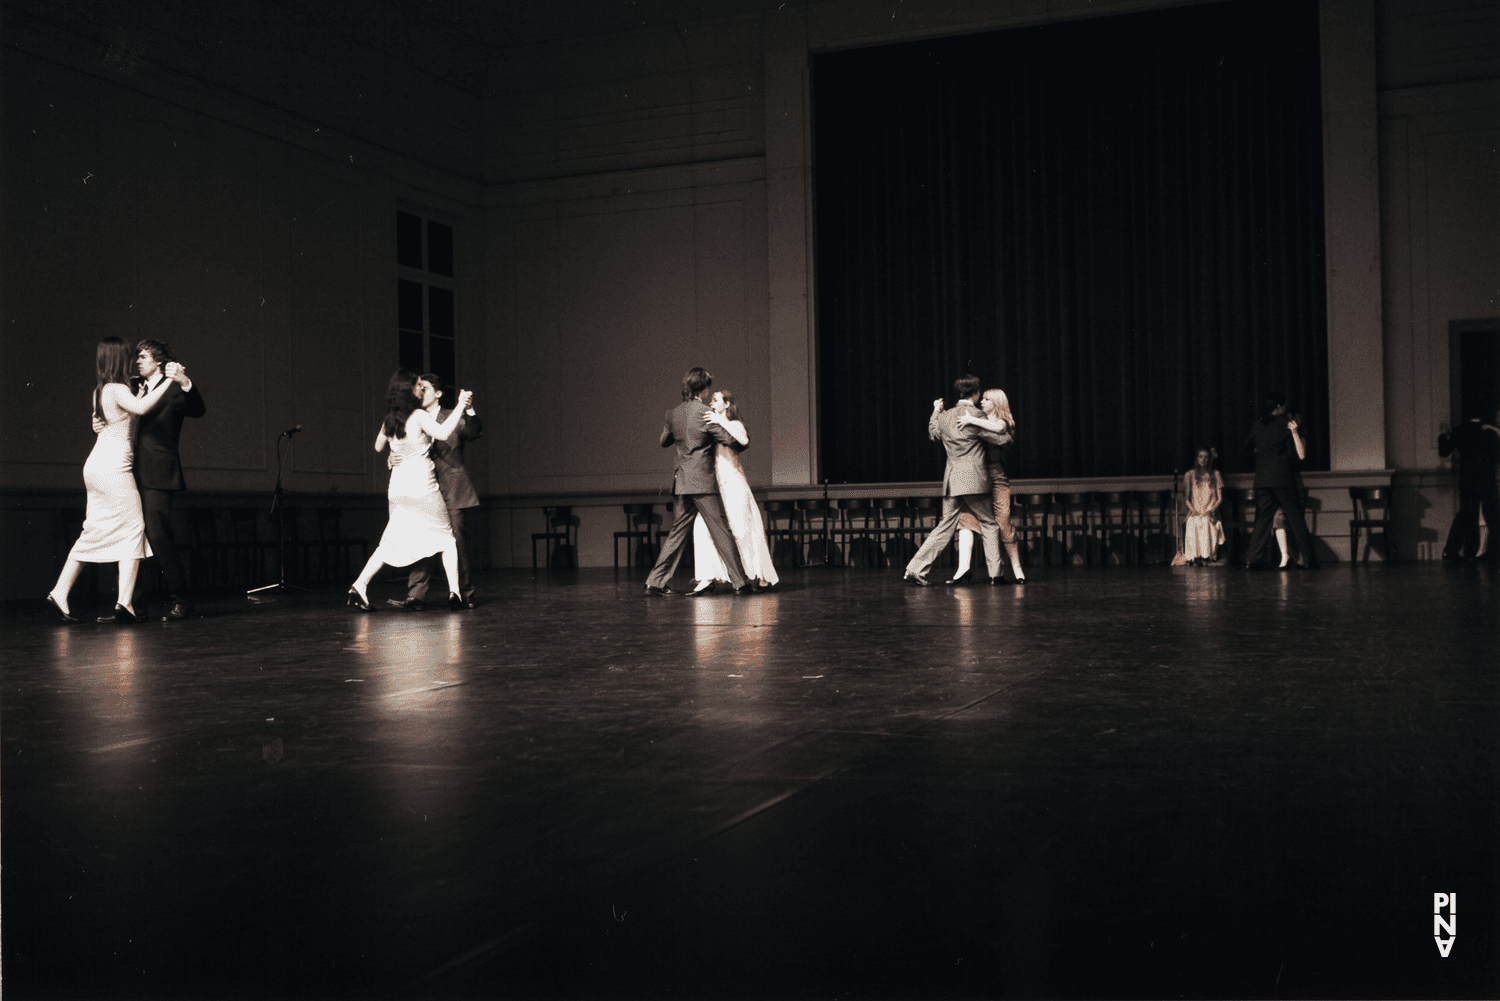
1351	219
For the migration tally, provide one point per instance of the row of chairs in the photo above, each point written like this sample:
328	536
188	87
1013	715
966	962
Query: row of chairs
886	531
226	547
1049	527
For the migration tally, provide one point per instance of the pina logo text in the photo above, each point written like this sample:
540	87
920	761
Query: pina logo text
1445	925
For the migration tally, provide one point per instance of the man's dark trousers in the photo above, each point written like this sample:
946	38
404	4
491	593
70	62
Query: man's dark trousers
711	506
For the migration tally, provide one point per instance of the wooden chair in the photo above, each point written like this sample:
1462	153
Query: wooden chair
1028	508
1076	517
561	546
244	547
1153	515
784	550
1242	523
1108	527
333	548
860	547
817	541
891	530
1364	499
640	520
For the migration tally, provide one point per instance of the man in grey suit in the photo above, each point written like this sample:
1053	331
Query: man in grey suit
458	495
696	486
966	481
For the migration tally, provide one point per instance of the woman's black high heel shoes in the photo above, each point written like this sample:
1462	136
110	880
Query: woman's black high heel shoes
456	603
962	578
122	617
64	616
362	604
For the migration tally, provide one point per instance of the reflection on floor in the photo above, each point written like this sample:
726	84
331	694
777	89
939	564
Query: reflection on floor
1114	782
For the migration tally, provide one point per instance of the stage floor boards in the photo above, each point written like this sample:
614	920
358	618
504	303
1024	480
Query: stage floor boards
1116	782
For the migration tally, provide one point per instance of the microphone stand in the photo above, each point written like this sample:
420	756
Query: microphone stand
278	508
827	541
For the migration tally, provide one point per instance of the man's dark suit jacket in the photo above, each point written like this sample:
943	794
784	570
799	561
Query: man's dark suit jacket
695	439
157	463
448	462
1478	447
1272	442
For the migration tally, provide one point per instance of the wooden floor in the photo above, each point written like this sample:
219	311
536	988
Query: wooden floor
1114	782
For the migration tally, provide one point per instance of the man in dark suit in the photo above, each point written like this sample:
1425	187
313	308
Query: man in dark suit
966	480
1478	448
1274	438
455	486
158	466
696	486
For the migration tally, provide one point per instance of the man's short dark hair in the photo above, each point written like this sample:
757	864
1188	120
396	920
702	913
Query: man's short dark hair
695	382
1272	400
965	386
436	382
160	350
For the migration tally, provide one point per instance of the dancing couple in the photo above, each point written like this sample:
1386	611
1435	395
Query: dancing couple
135	458
714	501
976	488
421	523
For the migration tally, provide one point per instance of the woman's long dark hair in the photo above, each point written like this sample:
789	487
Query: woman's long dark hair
399	398
112	363
731	412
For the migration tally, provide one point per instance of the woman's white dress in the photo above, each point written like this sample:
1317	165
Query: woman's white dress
113	526
743	515
419	519
1204	534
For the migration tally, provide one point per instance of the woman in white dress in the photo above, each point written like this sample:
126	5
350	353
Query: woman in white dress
1204	488
114	530
740	509
418	525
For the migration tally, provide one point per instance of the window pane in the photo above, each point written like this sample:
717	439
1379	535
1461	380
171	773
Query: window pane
409	241
443	364
411	351
409	304
439	311
439	248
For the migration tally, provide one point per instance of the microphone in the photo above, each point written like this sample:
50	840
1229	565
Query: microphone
288	434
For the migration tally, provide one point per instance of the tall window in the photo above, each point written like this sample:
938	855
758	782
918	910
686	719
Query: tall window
424	296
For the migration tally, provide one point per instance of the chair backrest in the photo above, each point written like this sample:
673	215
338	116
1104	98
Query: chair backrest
242	519
813	504
1366	497
203	523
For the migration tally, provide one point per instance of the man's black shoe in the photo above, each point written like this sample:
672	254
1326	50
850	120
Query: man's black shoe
408	605
919	579
180	610
745	589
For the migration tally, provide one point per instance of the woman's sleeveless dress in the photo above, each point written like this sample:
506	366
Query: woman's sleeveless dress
1203	534
743	515
113	527
419	519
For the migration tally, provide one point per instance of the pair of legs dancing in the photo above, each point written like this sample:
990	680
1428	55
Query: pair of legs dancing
968	525
359	593
980	507
1268	502
689	506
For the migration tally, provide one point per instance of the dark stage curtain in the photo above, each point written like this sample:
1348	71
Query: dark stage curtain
1117	221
